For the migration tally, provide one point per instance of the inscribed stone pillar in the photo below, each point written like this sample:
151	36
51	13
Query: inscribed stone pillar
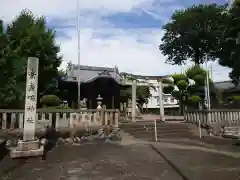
31	99
134	88
160	95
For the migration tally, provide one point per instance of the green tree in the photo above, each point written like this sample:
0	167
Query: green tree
182	82
228	53
125	94
189	87
192	33
142	94
8	88
29	36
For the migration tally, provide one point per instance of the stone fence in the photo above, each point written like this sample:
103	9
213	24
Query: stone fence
218	121
224	117
12	119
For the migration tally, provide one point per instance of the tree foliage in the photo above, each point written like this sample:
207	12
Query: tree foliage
204	29
28	36
189	86
229	48
142	94
8	88
192	33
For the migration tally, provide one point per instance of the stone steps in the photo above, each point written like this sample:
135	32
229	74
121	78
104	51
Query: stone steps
145	130
152	129
160	135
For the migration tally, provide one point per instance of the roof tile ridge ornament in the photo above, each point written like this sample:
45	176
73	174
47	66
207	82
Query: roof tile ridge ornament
69	66
116	69
104	73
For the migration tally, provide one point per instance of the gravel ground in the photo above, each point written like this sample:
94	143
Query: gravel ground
126	161
91	161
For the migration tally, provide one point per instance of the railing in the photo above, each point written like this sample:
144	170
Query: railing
222	117
59	118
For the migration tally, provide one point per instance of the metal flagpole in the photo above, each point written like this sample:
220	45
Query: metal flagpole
207	96
207	86
78	39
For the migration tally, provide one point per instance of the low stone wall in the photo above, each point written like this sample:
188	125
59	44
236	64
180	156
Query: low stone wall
14	119
66	123
64	137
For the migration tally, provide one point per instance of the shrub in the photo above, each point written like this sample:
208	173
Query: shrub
168	89
180	77
236	98
195	99
50	100
199	79
167	81
194	71
182	85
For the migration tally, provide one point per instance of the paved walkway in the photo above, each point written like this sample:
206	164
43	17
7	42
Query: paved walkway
129	160
92	161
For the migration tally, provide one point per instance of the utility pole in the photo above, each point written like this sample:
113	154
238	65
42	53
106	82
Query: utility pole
78	41
207	88
230	3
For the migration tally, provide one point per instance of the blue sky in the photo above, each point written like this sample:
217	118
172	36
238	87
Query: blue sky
122	33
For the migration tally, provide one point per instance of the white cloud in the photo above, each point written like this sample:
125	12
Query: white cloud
132	50
122	49
64	8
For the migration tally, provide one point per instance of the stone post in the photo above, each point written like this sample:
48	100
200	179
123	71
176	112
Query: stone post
160	94
31	100
29	146
134	88
121	107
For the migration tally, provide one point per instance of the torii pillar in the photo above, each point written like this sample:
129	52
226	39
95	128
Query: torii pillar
160	96
134	97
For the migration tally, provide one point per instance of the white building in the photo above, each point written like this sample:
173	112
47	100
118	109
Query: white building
170	103
168	100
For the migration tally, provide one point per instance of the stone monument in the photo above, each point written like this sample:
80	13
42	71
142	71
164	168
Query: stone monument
29	146
83	103
129	107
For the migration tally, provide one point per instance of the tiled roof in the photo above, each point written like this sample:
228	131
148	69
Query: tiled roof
224	85
89	73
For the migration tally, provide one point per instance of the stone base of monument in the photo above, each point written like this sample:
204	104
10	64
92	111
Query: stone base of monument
27	149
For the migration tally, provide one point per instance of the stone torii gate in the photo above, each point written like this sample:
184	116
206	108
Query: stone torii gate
151	81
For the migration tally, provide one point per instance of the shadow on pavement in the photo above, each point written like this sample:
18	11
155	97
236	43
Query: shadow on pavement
52	137
173	166
3	150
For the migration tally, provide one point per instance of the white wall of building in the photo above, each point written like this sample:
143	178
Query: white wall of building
168	100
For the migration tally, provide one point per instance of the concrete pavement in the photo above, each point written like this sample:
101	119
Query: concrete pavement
129	160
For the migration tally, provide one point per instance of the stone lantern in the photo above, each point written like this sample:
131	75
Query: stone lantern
99	102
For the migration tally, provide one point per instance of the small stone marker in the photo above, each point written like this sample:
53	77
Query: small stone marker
29	146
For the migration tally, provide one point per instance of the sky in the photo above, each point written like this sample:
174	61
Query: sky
122	33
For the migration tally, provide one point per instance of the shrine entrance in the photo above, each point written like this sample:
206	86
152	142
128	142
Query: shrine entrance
105	87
